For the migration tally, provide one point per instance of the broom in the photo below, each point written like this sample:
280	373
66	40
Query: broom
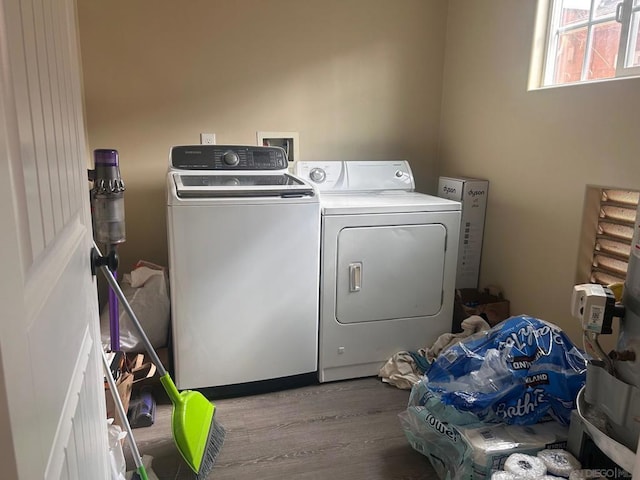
198	436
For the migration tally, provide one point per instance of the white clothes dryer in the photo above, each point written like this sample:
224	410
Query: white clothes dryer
387	267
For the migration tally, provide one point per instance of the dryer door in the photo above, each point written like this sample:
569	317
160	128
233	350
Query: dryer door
389	272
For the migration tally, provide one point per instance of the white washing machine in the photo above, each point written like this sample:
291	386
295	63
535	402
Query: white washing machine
388	263
244	259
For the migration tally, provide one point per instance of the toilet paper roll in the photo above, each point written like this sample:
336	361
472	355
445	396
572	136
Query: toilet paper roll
559	462
525	466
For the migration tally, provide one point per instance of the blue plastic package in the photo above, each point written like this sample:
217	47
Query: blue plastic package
518	372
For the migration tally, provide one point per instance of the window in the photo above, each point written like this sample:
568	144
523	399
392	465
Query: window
613	235
588	40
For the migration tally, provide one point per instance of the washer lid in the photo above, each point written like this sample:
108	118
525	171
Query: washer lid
384	202
240	185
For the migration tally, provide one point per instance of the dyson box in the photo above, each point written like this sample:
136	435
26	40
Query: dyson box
472	193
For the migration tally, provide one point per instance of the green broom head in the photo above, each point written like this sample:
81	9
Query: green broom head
197	435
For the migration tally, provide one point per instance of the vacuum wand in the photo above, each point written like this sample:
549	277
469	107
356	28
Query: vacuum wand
107	211
132	316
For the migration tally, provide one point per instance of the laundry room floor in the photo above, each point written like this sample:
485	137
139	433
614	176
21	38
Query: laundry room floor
339	430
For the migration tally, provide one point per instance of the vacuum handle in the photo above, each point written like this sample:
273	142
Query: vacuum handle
132	316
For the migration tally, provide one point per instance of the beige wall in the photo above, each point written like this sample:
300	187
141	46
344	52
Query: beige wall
358	79
539	149
363	79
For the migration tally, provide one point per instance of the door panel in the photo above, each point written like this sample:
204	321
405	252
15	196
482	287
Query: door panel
53	421
387	272
264	301
360	348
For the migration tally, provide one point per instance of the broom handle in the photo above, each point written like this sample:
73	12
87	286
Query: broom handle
125	304
123	415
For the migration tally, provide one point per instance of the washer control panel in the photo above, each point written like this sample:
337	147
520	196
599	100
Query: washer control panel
227	157
357	176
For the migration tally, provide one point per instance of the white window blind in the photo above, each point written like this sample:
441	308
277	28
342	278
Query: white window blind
614	234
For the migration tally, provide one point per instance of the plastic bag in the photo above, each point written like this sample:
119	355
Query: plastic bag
117	464
517	372
146	291
460	447
434	429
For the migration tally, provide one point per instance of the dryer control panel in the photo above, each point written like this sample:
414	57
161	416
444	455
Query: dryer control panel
357	176
227	157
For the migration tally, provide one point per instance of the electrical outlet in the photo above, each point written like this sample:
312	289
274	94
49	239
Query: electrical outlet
208	138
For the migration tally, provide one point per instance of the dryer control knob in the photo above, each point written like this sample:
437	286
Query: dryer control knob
230	158
399	173
318	175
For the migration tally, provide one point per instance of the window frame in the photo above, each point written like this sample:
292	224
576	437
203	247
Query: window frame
548	19
628	33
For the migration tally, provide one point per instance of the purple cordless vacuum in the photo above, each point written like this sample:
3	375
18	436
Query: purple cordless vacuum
107	209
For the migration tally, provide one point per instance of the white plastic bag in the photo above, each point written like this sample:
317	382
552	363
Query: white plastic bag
117	462
146	291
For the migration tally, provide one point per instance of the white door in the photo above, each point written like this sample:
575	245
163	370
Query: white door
52	421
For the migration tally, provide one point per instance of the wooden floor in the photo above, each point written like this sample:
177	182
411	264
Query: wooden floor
340	430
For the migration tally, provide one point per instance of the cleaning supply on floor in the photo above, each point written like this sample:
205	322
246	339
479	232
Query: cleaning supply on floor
142	408
198	436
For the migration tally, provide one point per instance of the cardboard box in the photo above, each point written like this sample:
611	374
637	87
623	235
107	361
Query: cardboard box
472	193
470	301
130	371
124	384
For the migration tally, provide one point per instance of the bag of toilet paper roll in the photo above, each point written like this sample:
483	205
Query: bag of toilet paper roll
518	372
460	447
